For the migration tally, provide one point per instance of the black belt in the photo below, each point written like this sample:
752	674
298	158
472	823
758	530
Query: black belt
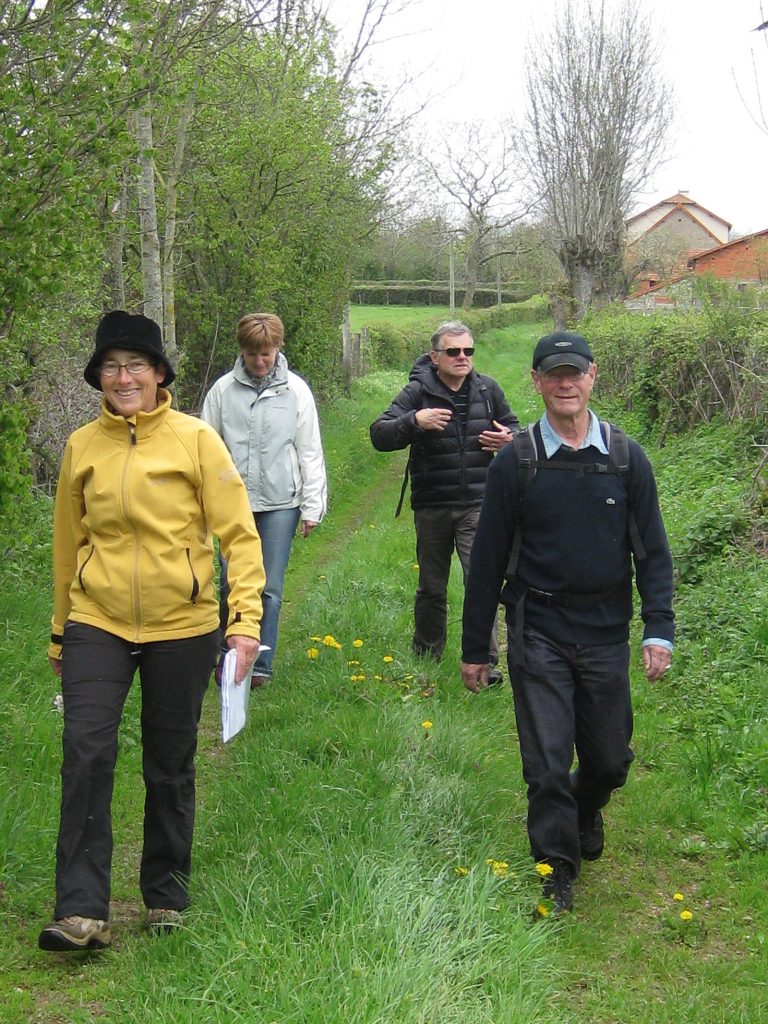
552	599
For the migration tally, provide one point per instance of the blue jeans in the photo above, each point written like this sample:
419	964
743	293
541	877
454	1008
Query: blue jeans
276	530
570	696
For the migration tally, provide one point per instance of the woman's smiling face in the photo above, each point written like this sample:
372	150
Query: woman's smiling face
128	393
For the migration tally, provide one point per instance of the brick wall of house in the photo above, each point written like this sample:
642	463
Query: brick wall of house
740	261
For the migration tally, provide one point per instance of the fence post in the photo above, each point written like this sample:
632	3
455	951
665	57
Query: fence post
346	350
356	354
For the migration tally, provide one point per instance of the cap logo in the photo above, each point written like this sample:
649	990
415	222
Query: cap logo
563	344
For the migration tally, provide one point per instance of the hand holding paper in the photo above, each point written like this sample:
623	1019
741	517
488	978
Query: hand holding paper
247	649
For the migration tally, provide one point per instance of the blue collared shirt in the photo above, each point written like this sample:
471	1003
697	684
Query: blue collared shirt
594	438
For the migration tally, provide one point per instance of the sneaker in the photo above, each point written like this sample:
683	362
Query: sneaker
495	678
162	920
592	836
258	680
74	933
558	887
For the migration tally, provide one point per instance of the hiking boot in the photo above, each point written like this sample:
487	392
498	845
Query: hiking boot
592	836
258	680
162	920
558	887
75	933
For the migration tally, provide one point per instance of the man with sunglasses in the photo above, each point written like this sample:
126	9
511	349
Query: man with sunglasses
454	421
559	531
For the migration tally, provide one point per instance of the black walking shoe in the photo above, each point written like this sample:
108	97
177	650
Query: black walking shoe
592	837
495	678
558	887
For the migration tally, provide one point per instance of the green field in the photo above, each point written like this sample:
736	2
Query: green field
407	317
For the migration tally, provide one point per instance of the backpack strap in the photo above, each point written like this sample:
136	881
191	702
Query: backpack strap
527	462
618	462
404	488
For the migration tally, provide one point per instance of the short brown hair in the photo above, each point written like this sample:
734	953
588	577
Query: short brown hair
261	330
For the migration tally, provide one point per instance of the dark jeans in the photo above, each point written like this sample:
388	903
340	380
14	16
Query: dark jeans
570	696
97	671
438	532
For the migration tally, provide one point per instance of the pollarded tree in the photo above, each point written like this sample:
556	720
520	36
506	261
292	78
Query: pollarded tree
597	119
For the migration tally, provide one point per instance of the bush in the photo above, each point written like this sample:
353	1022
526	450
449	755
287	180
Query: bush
678	370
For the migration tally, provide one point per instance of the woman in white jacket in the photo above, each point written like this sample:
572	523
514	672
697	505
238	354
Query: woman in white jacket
267	417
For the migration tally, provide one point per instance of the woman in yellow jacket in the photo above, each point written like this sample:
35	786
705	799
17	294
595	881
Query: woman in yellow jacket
141	490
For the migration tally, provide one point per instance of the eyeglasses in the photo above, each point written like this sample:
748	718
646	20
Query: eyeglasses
134	367
455	352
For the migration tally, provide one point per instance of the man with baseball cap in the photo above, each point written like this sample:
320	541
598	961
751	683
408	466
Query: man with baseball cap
564	518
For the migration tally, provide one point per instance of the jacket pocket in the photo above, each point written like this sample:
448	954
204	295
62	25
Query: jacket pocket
195	588
81	570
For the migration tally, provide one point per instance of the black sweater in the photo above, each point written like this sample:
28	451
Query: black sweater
447	467
575	540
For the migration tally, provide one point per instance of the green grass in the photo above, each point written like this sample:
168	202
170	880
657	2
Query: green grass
328	837
405	317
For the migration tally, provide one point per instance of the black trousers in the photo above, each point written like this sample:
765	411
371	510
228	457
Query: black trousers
97	672
570	697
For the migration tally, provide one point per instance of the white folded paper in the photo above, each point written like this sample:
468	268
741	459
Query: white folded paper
234	698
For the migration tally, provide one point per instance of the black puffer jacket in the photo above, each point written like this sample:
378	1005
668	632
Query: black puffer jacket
447	467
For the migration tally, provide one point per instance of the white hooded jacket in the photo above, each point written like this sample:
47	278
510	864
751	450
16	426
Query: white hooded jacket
274	438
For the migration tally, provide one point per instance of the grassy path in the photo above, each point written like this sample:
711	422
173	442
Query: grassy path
342	852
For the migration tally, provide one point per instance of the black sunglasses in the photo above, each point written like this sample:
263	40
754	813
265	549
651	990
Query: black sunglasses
454	352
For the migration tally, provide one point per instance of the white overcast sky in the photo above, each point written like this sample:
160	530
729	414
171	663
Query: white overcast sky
471	54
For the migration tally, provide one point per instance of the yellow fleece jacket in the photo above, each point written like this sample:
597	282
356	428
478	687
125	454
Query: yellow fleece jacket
136	505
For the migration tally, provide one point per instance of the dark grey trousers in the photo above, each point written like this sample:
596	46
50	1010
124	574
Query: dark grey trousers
97	671
439	531
570	697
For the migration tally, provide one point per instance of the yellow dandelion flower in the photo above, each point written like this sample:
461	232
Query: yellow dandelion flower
316	639
378	678
415	566
544	869
426	724
679	897
328	640
353	662
357	643
542	910
312	652
685	915
387	659
461	871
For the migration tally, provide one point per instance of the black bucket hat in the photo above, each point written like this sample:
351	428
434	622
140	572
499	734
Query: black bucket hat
137	333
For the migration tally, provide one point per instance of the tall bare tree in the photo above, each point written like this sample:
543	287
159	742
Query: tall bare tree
481	172
598	114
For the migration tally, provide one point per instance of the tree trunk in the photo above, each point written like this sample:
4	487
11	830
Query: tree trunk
114	278
169	241
150	243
